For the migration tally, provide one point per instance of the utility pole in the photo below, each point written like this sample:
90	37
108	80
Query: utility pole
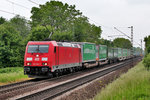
131	43
132	36
141	48
131	40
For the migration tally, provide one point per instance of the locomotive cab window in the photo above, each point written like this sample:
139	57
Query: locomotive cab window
38	48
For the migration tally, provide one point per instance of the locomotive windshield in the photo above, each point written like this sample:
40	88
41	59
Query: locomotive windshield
38	48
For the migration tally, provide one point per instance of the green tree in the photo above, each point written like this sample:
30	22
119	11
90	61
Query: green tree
122	43
38	33
79	29
147	44
94	33
21	25
106	42
64	22
2	20
10	55
146	61
54	13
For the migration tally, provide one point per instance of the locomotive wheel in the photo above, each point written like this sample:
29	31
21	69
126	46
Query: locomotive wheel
60	72
57	74
50	75
71	70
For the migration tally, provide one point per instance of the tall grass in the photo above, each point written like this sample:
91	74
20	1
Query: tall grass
11	69
134	85
11	74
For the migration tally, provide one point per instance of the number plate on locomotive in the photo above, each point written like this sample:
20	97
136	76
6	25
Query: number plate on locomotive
35	64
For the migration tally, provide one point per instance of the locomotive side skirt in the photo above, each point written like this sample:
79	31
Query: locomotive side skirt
65	66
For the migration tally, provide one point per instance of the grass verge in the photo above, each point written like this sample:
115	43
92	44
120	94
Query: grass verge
133	85
11	75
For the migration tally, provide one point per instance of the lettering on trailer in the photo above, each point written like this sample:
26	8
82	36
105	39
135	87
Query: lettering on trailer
89	51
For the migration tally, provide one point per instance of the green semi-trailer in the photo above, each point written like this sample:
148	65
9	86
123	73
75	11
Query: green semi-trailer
110	54
125	53
102	52
88	52
120	54
115	52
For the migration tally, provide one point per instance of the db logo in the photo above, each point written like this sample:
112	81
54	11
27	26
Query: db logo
36	59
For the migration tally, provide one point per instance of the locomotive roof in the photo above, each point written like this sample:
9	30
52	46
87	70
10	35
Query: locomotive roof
40	42
82	42
64	44
68	44
43	42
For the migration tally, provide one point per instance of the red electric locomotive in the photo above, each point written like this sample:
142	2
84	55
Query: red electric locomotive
48	58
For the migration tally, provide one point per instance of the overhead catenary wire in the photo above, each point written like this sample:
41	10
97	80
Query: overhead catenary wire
33	2
114	28
104	26
8	12
11	13
126	35
107	27
18	4
122	32
100	24
137	43
38	4
115	35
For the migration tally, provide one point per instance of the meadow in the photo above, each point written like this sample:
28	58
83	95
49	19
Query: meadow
11	75
133	85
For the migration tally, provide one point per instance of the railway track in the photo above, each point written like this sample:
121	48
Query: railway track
15	84
52	92
12	90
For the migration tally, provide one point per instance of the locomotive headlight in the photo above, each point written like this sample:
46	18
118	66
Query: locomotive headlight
44	59
44	64
29	59
28	63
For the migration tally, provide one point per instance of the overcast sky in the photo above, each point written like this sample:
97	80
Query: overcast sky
105	13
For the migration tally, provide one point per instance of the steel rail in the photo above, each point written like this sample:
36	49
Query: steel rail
52	92
12	90
30	83
15	84
26	84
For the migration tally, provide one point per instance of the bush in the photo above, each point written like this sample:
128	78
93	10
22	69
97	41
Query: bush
146	61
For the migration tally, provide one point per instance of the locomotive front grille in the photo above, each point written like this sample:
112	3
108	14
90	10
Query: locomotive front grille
36	70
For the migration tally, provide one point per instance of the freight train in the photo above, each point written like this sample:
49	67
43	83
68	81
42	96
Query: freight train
51	58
